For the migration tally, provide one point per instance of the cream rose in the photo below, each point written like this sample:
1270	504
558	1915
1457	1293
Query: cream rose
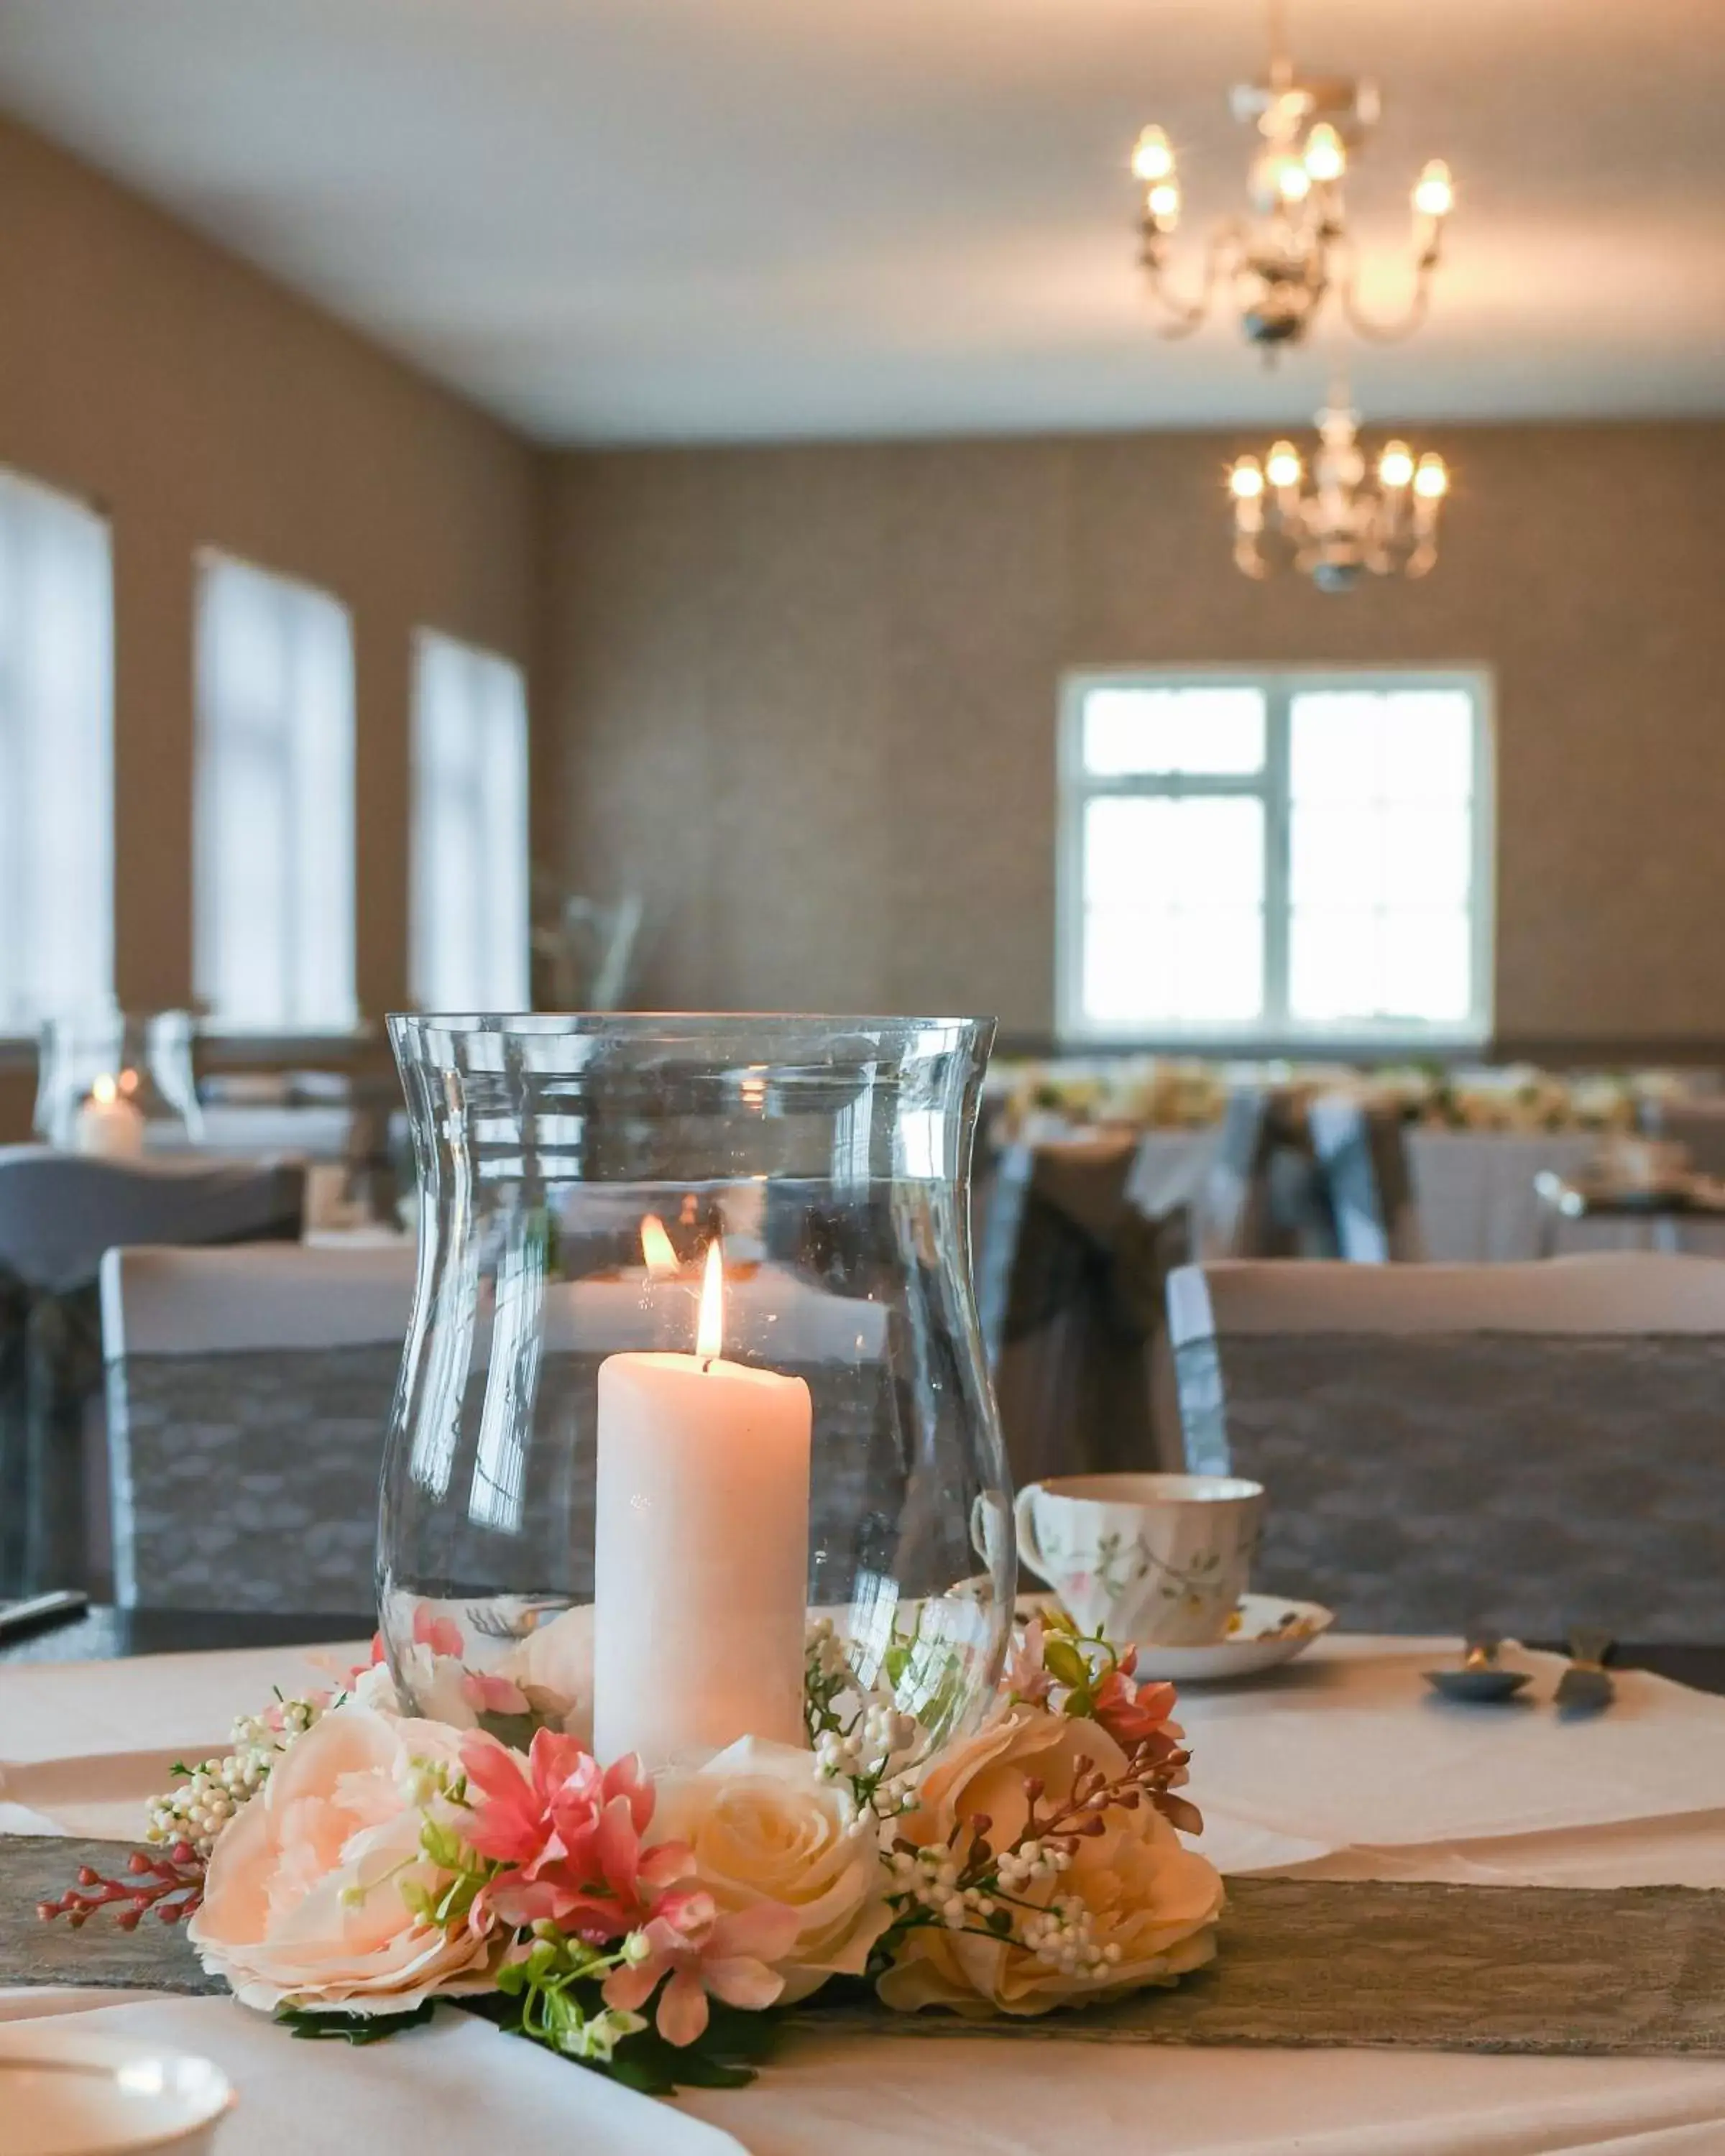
1146	1894
303	1904
764	1826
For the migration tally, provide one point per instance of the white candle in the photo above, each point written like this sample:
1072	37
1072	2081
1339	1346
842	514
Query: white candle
109	1127
700	1574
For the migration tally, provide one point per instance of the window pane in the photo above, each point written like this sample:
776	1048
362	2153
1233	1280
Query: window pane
469	923
1335	856
1128	856
1428	744
274	869
1333	965
1219	966
1427	856
56	755
1425	967
1333	745
1128	966
1217	851
1217	730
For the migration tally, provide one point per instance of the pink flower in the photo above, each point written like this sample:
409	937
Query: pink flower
1027	1678
511	1800
704	1953
571	1831
491	1695
304	1900
1132	1716
442	1634
351	1677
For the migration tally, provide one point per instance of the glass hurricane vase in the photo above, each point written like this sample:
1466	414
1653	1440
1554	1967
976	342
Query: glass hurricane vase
693	1427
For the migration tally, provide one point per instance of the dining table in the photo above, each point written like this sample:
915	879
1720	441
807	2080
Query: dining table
1342	1764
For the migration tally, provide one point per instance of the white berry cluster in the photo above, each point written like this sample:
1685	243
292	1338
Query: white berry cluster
1032	1864
197	1808
1062	1937
929	1877
827	1663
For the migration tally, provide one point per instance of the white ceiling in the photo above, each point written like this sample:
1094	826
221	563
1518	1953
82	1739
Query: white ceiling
629	220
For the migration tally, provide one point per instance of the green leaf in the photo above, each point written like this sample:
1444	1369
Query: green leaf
351	2028
1063	1661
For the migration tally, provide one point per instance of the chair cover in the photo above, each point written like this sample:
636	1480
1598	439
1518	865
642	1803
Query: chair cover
1433	1480
58	1213
1071	1283
1362	1149
1266	1195
249	1400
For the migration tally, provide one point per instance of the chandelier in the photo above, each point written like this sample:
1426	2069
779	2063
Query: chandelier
1331	523
1277	266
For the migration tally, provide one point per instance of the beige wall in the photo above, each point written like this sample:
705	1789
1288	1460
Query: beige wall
201	406
806	698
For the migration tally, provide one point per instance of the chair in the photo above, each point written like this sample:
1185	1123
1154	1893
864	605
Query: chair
1362	1149
1070	1281
58	1213
248	1399
1515	1445
1266	1196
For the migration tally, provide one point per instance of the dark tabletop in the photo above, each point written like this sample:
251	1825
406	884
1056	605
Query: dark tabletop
105	1632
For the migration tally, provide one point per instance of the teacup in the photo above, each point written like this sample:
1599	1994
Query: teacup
1161	1559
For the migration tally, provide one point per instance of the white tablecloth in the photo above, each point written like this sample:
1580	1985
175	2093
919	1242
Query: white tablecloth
1339	1766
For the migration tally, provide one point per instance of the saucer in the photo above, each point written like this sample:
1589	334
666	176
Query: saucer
1266	1630
63	2092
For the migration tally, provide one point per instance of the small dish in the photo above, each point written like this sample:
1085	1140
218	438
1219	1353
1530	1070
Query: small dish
1480	1686
63	2093
1265	1629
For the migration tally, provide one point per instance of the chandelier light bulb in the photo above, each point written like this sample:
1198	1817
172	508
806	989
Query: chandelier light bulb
1434	192
1153	157
1395	467
1431	482
1162	202
1245	480
1282	466
1293	181
1325	154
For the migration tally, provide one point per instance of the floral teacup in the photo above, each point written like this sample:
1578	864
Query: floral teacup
1159	1559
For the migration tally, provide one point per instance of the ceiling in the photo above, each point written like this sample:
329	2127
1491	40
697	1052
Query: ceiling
633	220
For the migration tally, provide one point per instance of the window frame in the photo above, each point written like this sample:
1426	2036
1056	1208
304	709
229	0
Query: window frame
288	588
1274	1029
428	643
21	738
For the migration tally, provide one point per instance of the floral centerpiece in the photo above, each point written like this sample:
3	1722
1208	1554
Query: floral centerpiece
348	1867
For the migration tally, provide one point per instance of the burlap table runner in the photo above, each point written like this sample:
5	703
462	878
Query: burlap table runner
1408	1965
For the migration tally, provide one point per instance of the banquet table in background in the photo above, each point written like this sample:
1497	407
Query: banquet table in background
1340	1766
1474	1190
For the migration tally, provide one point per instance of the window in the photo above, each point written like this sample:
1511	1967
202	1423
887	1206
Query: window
469	843
56	755
274	866
1277	858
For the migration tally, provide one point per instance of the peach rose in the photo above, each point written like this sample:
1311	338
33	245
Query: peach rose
303	1902
1151	1903
765	1827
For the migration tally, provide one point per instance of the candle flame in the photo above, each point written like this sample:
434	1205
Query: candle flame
710	1333
105	1090
658	1249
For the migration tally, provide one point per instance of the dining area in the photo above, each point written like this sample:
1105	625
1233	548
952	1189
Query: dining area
862	1109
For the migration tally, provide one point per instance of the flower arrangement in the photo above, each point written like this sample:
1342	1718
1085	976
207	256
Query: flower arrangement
346	1866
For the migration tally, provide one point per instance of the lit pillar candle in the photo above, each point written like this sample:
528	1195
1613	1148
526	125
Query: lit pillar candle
109	1125
701	1548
